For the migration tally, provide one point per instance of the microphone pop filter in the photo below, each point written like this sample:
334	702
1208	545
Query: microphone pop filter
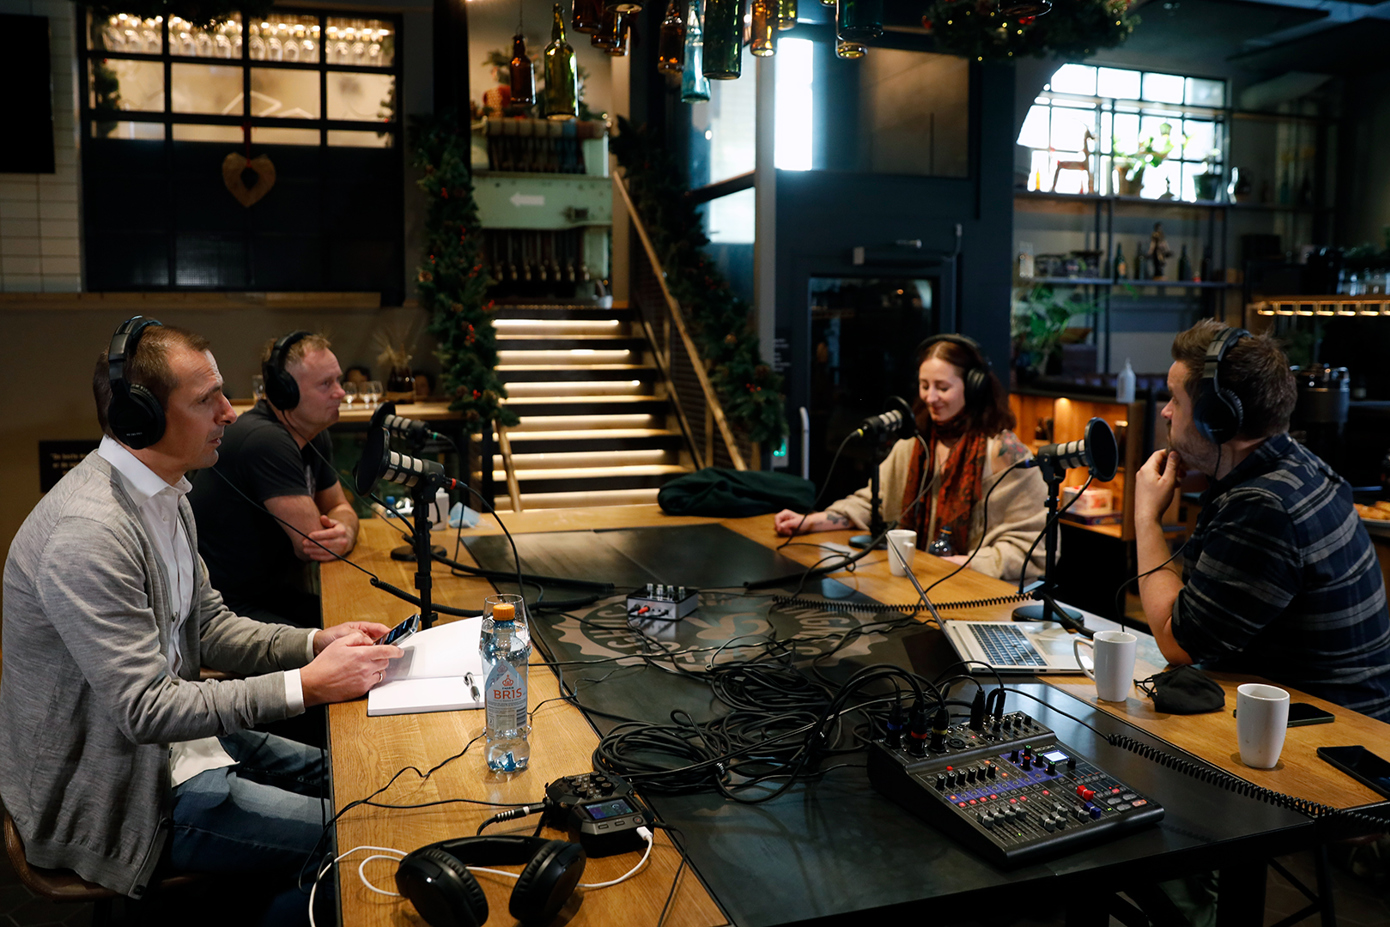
373	462
1102	453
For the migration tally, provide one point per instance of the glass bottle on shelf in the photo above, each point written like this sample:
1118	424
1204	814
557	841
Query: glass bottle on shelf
622	31
1139	261
1119	268
723	36
670	46
1184	264
694	84
561	77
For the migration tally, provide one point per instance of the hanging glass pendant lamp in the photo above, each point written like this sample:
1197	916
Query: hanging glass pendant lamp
609	30
786	14
694	84
857	22
523	78
587	17
723	51
625	6
670	45
763	41
561	75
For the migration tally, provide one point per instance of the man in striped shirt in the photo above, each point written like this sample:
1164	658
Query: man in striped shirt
1280	577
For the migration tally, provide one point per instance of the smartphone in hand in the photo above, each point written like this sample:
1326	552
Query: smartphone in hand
401	631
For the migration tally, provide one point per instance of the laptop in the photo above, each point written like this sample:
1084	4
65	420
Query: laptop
1038	648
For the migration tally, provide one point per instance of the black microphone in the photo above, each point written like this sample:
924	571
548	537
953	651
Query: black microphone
897	420
379	462
413	430
1097	452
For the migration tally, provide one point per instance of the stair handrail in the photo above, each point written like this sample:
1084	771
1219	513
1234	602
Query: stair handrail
504	444
673	308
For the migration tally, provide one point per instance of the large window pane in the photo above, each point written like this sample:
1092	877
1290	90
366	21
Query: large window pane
187	133
731	218
206	88
795	77
285	94
291	37
361	97
1075	78
1201	92
360	43
723	131
130	131
341	138
127	35
1121	85
262	135
127	85
1163	88
220	40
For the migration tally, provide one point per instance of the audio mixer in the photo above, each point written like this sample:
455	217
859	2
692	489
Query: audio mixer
1008	789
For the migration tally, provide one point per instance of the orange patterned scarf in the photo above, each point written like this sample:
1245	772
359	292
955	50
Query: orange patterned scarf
962	482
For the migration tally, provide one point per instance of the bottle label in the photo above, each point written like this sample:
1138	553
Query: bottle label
505	698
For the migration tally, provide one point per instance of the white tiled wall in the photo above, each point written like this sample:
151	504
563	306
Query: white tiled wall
40	238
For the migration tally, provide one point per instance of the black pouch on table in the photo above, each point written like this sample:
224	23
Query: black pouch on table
1183	690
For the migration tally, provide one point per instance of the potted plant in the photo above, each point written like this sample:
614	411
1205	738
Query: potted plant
1039	326
1208	185
1153	150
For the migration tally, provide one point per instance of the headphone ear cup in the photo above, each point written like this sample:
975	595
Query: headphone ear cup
280	388
977	386
137	419
442	889
547	882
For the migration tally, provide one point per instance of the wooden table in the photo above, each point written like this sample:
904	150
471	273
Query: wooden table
366	751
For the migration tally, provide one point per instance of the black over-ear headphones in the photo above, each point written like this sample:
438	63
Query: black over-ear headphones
976	376
135	415
280	387
1216	411
436	878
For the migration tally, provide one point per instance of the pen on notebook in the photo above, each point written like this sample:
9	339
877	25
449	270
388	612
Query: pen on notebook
473	687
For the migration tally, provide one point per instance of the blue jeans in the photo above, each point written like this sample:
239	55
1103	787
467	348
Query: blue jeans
264	815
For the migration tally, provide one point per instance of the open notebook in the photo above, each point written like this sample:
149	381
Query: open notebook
433	675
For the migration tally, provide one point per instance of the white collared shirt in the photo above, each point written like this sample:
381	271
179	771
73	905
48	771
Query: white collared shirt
158	504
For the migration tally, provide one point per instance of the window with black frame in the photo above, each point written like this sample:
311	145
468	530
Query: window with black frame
256	153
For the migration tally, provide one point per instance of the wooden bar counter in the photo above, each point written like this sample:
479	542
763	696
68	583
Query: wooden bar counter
368	751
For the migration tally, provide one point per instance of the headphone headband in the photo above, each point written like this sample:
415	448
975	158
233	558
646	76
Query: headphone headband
134	415
976	376
280	387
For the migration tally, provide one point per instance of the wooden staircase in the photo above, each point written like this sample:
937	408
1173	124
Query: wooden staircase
596	427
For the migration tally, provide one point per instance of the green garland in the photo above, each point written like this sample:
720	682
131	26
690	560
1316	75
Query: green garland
1073	29
451	282
720	323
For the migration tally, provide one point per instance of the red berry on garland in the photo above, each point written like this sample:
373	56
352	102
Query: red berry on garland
1027	20
444	192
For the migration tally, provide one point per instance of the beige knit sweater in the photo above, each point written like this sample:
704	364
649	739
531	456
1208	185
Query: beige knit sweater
1017	507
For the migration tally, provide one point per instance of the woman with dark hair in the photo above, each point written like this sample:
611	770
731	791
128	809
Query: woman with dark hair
938	484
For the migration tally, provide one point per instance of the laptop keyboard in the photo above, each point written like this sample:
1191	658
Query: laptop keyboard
1005	645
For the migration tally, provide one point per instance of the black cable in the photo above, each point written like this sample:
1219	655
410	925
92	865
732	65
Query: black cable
984	529
1049	524
1119	592
820	495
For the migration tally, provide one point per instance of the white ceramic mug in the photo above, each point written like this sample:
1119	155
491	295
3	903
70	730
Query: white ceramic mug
902	547
1262	718
1113	656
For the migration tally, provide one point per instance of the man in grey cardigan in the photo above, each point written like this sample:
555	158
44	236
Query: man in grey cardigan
114	757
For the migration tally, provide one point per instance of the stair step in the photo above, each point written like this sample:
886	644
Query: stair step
578	500
569	343
601	458
576	313
562	328
568	357
591	481
535	422
532	373
527	389
592	440
586	405
586	474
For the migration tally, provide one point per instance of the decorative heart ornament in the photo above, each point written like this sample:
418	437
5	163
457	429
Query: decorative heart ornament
234	168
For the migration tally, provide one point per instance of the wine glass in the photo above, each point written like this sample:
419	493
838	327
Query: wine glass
257	388
374	392
349	393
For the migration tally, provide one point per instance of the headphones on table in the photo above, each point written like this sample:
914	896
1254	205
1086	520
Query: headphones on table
1216	411
135	415
280	387
977	385
436	878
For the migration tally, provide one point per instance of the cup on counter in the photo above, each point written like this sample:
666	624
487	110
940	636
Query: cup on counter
1262	717
1113	656
902	547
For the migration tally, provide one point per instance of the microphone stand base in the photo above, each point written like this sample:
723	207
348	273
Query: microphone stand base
865	542
406	552
1035	613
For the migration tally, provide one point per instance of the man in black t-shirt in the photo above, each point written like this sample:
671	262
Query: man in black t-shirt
282	459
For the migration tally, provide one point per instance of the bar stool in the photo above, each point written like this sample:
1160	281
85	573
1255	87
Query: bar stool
64	886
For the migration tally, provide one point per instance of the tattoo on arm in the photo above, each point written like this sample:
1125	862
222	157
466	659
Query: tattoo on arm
836	519
1011	449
